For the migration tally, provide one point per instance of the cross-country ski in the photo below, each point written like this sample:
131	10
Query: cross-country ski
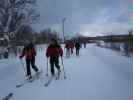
34	77
8	97
49	81
57	76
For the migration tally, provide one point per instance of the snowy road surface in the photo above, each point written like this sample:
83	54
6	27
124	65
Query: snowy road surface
98	74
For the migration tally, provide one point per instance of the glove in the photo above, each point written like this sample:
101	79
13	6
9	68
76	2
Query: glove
61	55
47	56
20	57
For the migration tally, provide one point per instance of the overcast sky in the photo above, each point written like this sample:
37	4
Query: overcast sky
87	17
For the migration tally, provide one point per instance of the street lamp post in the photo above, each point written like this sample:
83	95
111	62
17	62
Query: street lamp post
63	21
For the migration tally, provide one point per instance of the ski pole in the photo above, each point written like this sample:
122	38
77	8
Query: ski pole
47	68
63	68
21	61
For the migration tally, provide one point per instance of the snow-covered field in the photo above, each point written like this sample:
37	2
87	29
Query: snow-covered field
98	74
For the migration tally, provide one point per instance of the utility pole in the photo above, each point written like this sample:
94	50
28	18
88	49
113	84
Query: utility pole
63	25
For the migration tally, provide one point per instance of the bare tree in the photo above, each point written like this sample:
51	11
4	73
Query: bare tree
15	14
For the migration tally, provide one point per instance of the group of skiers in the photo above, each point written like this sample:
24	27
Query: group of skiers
70	45
54	51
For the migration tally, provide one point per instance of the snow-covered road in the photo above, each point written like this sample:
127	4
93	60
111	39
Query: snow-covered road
98	74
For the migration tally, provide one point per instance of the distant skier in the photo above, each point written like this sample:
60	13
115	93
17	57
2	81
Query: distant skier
71	47
29	52
126	49
6	53
54	51
67	46
77	47
84	44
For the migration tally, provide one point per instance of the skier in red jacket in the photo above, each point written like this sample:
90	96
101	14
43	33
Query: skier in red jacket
54	51
67	46
72	47
29	52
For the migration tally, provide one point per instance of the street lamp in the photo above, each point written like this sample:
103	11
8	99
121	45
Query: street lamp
63	21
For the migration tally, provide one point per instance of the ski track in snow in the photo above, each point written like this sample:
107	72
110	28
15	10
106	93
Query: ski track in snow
97	74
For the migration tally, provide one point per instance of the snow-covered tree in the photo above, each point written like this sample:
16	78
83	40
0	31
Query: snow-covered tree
15	14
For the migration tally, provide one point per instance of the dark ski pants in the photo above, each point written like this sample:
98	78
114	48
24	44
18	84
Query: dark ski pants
54	61
84	45
77	52
31	62
71	51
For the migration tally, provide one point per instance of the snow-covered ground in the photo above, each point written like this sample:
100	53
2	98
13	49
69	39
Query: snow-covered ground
98	74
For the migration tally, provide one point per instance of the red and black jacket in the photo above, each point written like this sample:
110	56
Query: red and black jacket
29	53
54	51
71	45
67	46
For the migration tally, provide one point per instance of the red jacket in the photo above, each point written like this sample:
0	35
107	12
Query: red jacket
71	45
67	46
29	53
54	51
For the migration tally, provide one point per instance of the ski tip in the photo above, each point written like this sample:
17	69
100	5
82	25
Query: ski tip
18	86
46	85
11	94
8	96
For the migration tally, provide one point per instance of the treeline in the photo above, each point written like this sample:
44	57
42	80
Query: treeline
27	34
45	36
